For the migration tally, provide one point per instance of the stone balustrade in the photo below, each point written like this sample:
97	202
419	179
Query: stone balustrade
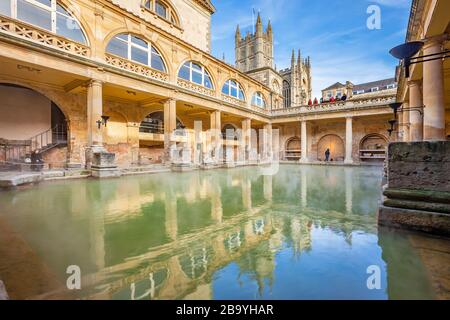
136	68
41	36
195	88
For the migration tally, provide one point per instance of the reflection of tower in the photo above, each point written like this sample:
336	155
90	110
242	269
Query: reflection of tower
301	234
216	202
349	190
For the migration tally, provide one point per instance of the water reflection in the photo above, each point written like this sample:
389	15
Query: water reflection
308	232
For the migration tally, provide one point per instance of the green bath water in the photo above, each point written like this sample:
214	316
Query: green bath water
308	232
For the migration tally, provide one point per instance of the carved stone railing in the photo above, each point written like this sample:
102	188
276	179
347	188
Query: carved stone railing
136	68
338	106
234	101
195	87
35	34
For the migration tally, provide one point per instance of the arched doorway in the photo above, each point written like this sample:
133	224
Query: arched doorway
293	149
336	146
151	143
373	148
31	126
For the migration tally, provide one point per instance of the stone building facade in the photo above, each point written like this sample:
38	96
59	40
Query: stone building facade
124	75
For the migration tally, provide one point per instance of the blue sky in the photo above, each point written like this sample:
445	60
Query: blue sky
333	33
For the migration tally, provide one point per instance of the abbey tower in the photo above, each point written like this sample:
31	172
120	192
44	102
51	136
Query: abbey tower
255	56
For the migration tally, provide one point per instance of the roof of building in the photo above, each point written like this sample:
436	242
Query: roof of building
373	84
207	4
334	86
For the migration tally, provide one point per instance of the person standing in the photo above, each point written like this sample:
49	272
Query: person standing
327	155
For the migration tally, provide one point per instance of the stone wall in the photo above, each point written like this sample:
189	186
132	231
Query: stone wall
419	165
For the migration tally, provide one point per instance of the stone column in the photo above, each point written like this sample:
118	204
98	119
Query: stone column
170	124
348	140
216	135
304	142
415	117
405	122
267	143
94	113
433	94
247	138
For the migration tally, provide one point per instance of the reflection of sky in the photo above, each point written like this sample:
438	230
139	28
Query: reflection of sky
333	269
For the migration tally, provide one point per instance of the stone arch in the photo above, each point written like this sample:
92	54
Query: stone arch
157	123
373	141
123	30
73	9
242	87
171	6
336	146
292	148
207	68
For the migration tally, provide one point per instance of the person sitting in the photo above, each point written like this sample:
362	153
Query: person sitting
332	100
310	102
316	102
344	97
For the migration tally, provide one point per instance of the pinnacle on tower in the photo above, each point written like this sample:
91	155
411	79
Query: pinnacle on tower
293	57
269	27
259	26
299	57
238	34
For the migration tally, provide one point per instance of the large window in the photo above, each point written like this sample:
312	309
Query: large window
287	94
233	88
162	9
258	100
195	73
135	49
46	14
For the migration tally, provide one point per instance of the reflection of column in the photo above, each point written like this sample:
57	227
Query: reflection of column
268	182
405	122
216	203
304	141
304	187
415	117
170	124
170	205
433	94
349	140
98	239
247	193
94	112
349	190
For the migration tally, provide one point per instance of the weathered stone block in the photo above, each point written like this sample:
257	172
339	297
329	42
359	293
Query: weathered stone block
3	293
419	165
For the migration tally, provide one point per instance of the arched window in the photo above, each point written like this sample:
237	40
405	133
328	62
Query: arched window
46	14
258	100
154	123
163	10
287	94
233	88
195	73
135	49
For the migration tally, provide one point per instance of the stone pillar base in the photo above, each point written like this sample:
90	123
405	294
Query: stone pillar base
182	167
103	165
418	220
